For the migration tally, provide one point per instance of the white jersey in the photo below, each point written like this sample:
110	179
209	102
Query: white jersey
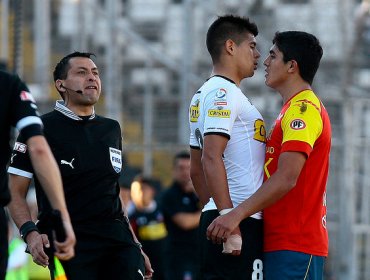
219	107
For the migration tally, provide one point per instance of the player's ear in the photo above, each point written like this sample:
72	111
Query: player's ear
229	46
293	66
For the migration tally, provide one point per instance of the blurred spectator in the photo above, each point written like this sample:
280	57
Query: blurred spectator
148	223
181	209
126	178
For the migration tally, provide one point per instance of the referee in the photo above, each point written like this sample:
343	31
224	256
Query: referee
87	148
18	109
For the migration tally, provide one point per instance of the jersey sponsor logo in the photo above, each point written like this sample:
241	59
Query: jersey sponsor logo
297	124
70	163
220	103
26	96
20	147
219	113
115	156
221	95
259	131
194	111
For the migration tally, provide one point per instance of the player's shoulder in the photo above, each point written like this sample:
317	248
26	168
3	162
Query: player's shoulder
306	98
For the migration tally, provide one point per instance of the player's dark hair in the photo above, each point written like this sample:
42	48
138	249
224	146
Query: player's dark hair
302	47
228	27
181	155
61	69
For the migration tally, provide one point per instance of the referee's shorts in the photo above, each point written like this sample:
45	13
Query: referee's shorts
216	265
290	265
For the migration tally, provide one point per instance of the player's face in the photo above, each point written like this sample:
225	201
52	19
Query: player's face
83	75
247	56
276	69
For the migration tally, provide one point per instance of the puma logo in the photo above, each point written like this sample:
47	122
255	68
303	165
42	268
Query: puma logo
67	163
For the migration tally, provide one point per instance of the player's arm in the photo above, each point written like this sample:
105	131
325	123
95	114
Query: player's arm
197	175
48	174
214	170
21	214
216	178
279	184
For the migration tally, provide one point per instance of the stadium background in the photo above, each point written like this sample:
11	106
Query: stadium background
152	58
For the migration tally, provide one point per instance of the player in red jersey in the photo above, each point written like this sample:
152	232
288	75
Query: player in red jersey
293	194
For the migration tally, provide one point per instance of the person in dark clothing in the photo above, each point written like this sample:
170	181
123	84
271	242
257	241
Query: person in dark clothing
148	223
88	151
18	109
181	209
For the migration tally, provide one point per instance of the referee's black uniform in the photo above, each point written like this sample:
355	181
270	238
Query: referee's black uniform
88	152
17	109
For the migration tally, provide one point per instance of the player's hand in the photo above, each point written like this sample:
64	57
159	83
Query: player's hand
148	267
65	250
36	243
221	227
233	244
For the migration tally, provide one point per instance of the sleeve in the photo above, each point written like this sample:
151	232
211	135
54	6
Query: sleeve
194	140
24	109
20	163
301	125
220	111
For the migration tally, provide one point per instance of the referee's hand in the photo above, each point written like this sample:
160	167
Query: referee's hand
65	250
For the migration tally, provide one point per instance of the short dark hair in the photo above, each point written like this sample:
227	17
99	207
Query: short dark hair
181	155
61	69
302	47
227	27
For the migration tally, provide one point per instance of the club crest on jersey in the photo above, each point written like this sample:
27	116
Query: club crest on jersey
297	124
20	147
220	95
115	156
26	96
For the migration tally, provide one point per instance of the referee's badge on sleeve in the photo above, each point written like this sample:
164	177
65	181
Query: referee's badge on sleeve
116	159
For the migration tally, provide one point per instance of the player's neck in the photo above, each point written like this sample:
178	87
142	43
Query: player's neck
222	71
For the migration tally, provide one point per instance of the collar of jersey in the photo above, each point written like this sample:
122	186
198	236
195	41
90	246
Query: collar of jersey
223	77
60	107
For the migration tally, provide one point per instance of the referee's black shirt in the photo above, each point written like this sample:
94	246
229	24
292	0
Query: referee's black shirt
88	152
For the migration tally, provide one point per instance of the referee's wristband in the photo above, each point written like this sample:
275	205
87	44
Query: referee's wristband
225	211
27	228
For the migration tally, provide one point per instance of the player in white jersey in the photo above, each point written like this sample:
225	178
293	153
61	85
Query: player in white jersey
227	144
